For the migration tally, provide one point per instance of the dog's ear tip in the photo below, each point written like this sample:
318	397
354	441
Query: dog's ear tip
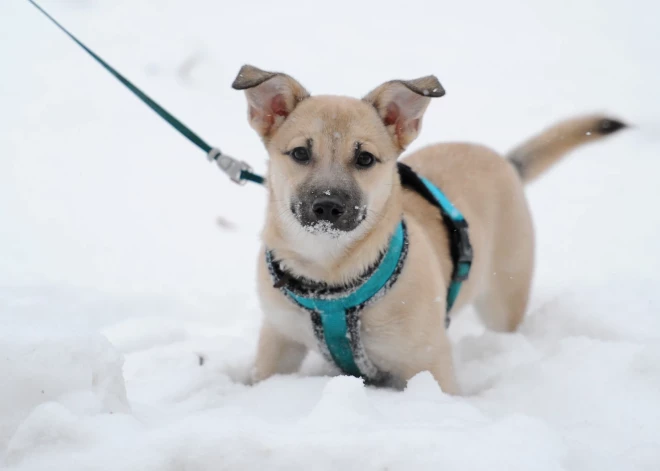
240	81
250	76
434	88
428	86
438	91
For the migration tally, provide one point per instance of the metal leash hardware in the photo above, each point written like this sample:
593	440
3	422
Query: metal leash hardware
234	168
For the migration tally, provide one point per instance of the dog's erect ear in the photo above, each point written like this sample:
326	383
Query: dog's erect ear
271	97
401	105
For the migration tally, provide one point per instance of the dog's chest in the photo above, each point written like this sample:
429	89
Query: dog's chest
377	335
293	322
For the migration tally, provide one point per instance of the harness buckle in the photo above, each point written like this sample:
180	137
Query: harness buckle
229	165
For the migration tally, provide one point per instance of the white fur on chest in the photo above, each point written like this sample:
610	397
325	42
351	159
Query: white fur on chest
292	322
381	343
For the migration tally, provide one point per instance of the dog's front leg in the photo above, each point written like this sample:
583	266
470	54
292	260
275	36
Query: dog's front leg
276	354
435	358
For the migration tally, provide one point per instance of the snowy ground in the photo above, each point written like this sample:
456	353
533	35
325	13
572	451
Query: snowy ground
128	316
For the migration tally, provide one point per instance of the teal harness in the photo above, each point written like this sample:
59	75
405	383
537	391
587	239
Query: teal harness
335	310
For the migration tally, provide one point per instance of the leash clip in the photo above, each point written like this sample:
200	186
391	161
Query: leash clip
232	167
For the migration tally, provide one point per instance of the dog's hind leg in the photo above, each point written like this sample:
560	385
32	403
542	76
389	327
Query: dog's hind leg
503	303
506	278
502	307
276	354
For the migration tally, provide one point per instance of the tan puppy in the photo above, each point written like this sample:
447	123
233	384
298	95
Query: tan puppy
335	199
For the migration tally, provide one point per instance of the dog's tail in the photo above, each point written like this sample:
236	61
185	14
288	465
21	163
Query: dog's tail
539	153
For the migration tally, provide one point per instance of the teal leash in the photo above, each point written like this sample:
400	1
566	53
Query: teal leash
238	171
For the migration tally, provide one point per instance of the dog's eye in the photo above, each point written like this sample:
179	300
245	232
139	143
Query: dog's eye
365	160
300	154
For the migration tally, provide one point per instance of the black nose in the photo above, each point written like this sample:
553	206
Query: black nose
328	208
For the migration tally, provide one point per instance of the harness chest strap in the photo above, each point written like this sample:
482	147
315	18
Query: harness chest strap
335	311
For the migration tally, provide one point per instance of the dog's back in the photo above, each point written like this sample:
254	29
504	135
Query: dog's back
488	190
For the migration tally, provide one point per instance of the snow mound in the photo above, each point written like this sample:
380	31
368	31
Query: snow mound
81	371
348	426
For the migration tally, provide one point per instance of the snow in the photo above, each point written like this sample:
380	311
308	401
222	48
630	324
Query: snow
83	371
325	230
128	319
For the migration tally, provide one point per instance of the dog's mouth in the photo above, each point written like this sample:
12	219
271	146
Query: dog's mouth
328	217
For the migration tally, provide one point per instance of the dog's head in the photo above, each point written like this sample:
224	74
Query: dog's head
332	159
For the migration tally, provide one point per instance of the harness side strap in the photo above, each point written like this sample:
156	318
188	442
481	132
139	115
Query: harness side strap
238	171
457	228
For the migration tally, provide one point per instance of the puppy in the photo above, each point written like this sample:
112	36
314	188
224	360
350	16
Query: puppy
336	202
